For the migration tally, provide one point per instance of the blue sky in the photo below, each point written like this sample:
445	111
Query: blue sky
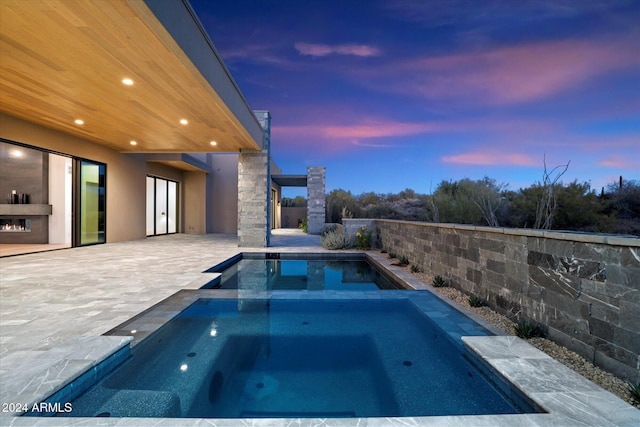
402	94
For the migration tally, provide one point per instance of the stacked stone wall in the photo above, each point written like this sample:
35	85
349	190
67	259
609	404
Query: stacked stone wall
315	199
584	289
254	190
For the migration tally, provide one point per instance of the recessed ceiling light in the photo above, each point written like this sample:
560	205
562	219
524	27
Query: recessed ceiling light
213	143
127	82
183	121
79	122
133	143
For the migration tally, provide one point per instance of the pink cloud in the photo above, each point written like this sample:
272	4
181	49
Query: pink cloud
312	49
620	162
362	130
376	130
509	75
492	158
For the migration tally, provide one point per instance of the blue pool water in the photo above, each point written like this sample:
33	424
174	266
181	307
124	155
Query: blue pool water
284	357
301	274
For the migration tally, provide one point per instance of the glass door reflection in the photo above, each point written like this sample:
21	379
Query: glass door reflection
162	206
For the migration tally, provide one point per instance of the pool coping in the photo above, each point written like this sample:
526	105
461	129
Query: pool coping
568	398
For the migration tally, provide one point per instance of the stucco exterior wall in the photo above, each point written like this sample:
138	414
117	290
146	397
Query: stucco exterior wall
222	204
583	288
126	185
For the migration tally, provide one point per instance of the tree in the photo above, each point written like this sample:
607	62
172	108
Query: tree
454	202
547	203
339	201
578	208
297	202
487	196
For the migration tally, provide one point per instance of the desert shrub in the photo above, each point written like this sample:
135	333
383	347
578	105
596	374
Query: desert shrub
525	329
634	391
392	255
415	268
335	240
327	228
403	260
363	238
475	301
439	282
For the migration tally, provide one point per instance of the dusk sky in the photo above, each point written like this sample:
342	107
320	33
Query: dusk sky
402	94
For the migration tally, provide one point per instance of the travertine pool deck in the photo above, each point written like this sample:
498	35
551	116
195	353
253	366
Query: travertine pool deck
55	306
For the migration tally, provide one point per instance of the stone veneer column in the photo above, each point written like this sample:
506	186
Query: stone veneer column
254	190
315	199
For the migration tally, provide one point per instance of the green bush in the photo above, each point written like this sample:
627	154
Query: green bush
415	268
439	282
525	329
335	240
328	228
304	225
363	238
403	261
475	301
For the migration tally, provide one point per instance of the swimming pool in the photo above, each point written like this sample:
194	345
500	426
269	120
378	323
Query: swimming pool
352	354
277	272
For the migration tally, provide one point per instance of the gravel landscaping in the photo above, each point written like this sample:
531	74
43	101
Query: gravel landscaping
574	361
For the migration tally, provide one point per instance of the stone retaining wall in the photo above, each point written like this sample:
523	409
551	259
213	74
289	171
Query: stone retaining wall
583	288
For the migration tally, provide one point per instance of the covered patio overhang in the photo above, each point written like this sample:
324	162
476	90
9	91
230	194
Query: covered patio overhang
63	61
290	180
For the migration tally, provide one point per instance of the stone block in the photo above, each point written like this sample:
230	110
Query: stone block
626	338
474	276
565	304
492	245
553	282
542	260
516	271
629	315
597	252
623	276
630	257
496	266
601	329
602	311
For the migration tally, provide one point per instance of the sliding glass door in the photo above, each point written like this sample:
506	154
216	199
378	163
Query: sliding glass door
90	203
162	206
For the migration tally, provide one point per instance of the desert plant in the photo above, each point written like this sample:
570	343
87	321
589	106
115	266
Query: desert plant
392	255
335	240
634	391
439	282
403	260
304	225
327	228
525	329
363	238
415	268
475	301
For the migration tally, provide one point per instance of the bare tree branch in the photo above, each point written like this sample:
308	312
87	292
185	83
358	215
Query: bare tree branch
546	205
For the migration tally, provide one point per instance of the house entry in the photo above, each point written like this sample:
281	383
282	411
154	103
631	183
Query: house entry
90	209
162	206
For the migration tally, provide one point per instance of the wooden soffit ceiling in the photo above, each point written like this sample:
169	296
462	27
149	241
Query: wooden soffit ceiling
63	60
